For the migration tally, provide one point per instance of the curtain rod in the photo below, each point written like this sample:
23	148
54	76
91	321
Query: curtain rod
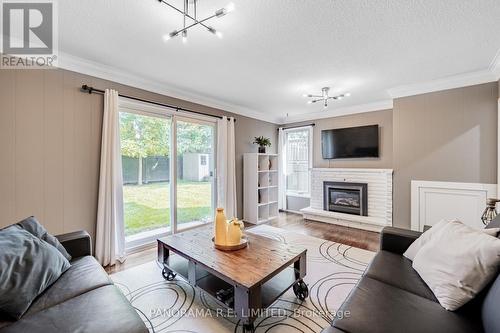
298	126
87	89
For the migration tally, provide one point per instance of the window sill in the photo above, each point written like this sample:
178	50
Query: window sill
299	195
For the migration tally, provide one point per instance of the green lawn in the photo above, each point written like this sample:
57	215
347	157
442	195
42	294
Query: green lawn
147	206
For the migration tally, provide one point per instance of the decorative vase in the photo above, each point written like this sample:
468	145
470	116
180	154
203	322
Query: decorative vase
262	149
234	232
220	233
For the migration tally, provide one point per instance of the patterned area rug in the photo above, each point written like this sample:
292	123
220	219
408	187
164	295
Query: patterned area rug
332	270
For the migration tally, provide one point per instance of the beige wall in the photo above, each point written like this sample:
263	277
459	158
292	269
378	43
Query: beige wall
50	144
444	136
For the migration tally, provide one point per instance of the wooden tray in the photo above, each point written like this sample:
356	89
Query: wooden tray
243	243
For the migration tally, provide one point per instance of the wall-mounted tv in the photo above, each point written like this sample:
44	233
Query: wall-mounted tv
352	142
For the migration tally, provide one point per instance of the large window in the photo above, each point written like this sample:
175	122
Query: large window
298	161
164	192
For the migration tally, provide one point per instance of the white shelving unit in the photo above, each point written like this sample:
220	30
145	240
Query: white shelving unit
260	187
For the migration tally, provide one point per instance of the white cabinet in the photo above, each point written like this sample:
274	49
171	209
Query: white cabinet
260	187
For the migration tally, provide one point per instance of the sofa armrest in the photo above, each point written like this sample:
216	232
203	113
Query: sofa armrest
77	243
397	240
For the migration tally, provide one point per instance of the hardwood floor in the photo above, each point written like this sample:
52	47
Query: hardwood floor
362	239
367	240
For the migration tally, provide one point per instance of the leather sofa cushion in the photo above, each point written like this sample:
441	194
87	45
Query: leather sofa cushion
102	310
85	274
376	307
491	305
332	329
5	320
396	270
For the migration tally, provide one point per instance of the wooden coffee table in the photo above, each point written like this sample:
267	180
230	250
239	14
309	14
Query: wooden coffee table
244	281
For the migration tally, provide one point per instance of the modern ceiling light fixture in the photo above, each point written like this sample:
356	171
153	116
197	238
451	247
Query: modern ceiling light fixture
324	97
190	13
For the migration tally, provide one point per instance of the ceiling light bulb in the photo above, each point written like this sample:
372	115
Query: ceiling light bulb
170	35
309	102
184	36
229	7
215	32
305	95
340	97
223	11
347	94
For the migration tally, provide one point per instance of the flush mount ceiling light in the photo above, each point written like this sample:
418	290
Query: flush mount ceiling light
190	13
324	97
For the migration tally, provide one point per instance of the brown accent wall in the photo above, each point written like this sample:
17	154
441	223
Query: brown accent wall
50	136
444	136
383	118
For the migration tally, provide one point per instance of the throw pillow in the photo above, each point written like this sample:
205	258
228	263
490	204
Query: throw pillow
34	227
457	263
424	238
413	249
28	265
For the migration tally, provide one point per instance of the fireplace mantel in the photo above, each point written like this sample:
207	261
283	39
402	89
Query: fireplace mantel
379	197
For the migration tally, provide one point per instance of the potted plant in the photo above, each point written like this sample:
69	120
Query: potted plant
263	143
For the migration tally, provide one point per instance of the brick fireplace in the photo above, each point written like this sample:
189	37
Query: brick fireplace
357	198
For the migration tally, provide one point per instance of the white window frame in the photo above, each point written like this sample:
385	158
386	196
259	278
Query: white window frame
310	161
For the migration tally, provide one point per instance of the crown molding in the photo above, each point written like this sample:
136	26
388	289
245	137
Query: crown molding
495	66
91	68
330	113
84	66
451	82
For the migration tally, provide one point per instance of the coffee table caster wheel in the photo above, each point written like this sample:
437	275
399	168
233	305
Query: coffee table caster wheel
248	328
168	274
301	290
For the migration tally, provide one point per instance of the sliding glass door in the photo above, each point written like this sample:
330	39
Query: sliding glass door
195	173
145	148
163	191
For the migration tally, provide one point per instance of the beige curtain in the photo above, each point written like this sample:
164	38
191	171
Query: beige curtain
281	170
226	167
110	232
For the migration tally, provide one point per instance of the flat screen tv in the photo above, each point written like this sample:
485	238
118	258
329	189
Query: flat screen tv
352	142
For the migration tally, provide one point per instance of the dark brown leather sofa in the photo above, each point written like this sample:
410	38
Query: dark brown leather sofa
392	298
83	299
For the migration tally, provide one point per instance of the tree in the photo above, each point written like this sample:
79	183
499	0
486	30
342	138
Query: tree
143	136
194	138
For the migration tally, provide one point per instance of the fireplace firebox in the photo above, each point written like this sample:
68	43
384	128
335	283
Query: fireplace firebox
344	197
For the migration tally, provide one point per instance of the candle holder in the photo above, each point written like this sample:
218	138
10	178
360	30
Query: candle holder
490	212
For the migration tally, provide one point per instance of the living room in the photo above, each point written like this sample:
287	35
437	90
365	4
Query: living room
252	166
